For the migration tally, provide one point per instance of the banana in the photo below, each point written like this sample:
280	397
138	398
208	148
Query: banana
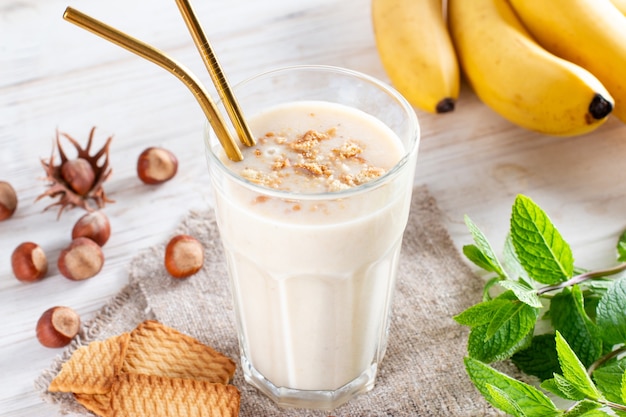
416	52
589	33
620	4
519	79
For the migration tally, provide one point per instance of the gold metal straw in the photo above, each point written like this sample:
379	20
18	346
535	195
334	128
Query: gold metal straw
221	84
154	55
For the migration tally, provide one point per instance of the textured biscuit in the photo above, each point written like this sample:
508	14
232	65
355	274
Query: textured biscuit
155	349
135	395
99	404
91	368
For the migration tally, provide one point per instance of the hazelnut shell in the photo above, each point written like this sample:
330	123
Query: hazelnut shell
57	326
184	256
82	259
8	200
29	262
156	165
95	226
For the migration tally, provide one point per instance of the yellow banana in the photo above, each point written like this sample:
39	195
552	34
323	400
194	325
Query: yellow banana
620	4
517	78
416	52
590	33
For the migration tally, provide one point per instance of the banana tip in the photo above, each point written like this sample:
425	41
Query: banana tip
600	107
446	105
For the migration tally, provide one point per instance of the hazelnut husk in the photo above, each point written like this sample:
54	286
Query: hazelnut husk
184	256
95	226
78	182
57	326
156	165
29	262
8	200
82	259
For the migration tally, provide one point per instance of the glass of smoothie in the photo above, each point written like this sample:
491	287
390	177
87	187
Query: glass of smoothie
311	223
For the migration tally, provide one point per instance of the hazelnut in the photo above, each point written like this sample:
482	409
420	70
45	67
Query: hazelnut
79	175
57	327
156	165
82	259
95	226
29	262
184	256
8	200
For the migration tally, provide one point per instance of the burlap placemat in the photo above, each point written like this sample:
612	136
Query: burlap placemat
422	373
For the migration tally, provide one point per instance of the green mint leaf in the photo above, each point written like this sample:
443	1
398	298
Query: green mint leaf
492	282
568	316
481	313
539	246
509	330
621	247
574	371
474	254
508	315
608	379
567	389
488	259
611	315
550	385
524	292
510	260
504	402
540	358
585	408
519	396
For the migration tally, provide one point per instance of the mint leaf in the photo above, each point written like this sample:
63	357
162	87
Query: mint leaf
568	316
621	247
539	246
567	389
489	260
574	371
481	313
518	395
509	330
551	386
586	408
611	315
504	402
511	261
608	379
524	292
540	358
473	253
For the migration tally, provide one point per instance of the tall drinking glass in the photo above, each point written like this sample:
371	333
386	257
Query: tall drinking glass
312	273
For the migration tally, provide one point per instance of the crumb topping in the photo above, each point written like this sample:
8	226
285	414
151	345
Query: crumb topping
315	161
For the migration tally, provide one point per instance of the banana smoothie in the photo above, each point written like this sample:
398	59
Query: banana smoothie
311	223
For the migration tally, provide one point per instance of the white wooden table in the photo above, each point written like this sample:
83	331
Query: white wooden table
54	75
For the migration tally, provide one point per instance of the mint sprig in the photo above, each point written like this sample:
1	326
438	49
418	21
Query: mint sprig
578	354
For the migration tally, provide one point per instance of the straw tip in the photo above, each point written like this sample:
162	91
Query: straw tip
67	11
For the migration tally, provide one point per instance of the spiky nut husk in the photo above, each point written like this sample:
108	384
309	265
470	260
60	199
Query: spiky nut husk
82	192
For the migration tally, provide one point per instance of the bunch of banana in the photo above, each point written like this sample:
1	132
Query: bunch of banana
590	33
518	78
416	52
510	71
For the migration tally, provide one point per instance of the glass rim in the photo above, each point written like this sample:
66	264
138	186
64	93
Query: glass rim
414	128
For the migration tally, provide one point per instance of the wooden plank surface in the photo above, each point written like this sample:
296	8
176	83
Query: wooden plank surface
56	76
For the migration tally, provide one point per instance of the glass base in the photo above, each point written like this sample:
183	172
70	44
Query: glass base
309	399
